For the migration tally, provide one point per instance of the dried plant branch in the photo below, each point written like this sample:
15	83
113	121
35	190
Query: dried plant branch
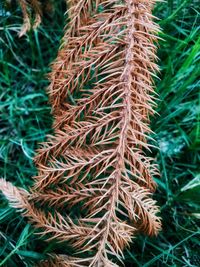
102	95
36	7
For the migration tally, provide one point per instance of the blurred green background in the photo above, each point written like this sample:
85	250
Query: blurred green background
25	121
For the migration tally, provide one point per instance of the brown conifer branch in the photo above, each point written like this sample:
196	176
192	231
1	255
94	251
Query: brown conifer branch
141	114
96	158
35	6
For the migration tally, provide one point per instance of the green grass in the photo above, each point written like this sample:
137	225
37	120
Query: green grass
25	121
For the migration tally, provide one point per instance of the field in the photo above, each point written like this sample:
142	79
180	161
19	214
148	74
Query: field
25	121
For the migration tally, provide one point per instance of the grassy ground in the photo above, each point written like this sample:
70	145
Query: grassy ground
25	121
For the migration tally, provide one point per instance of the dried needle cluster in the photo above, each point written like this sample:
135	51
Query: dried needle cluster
94	181
32	10
36	7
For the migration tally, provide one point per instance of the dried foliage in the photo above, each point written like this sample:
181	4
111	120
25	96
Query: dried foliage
94	181
36	7
32	10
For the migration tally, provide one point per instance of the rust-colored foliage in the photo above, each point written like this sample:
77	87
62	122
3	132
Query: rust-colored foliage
36	7
32	10
93	174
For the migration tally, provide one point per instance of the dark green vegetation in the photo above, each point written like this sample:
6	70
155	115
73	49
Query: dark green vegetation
25	121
